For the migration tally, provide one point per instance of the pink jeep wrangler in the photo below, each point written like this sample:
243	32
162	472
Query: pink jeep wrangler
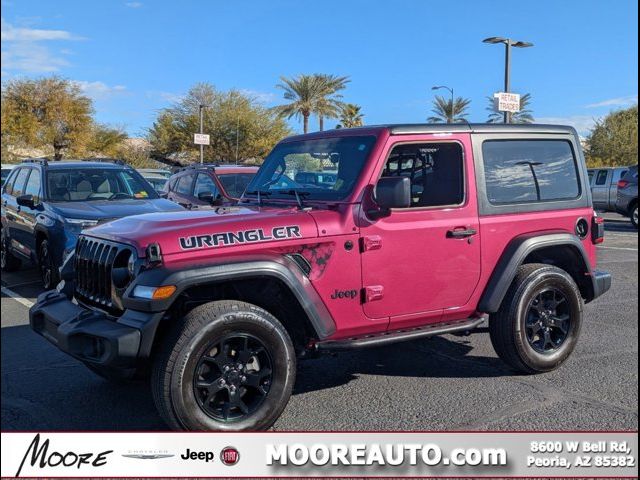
418	230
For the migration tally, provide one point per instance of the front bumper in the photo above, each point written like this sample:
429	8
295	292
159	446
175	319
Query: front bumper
90	335
601	283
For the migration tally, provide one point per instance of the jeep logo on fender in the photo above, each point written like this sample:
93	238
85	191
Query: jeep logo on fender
243	236
350	294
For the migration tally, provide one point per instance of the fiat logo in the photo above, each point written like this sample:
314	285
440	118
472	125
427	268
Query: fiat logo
229	456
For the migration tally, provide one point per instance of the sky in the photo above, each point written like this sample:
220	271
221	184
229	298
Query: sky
134	58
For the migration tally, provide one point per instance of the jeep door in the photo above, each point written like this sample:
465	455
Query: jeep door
420	262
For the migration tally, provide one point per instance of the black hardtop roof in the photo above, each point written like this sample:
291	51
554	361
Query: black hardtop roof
422	128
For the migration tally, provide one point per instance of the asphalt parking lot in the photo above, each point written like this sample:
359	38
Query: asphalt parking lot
443	383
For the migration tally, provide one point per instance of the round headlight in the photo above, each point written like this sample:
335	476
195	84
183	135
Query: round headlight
123	268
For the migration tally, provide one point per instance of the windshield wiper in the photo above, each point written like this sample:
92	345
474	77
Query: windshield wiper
260	194
300	195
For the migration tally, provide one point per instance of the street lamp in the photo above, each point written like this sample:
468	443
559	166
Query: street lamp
438	87
508	43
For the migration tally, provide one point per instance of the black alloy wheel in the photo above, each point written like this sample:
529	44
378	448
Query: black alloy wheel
233	377
548	321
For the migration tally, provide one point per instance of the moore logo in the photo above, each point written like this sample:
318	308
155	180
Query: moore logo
38	454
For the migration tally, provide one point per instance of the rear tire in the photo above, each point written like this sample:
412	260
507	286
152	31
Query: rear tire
538	324
633	215
228	366
8	262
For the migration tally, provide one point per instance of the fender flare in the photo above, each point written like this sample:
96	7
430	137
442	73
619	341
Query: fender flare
514	255
280	267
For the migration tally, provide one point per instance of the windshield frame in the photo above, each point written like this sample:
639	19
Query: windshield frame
151	192
370	137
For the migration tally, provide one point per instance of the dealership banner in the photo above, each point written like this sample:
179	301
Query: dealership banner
321	454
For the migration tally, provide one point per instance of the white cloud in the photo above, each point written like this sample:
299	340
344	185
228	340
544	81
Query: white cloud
582	123
23	49
133	4
100	90
21	34
262	97
615	102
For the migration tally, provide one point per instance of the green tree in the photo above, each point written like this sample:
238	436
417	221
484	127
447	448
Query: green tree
311	94
525	115
48	112
239	127
329	103
351	116
613	141
105	141
449	111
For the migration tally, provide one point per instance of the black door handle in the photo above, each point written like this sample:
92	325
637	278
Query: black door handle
461	233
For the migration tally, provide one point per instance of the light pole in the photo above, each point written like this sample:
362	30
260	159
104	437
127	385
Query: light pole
201	108
438	87
508	43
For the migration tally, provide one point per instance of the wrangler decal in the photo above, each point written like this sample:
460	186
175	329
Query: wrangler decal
243	236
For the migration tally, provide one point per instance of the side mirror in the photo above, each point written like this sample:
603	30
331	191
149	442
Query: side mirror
26	201
391	192
206	197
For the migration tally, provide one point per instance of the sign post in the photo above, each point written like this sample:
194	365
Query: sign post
507	102
201	139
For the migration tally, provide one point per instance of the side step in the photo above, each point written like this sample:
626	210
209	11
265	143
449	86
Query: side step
388	337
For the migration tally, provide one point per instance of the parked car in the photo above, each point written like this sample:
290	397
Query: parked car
156	181
155	172
604	187
427	230
311	179
45	205
203	185
627	202
6	170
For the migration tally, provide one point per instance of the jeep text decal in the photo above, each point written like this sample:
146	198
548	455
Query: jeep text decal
243	236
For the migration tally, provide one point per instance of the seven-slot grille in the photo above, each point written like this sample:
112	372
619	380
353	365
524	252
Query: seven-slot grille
94	261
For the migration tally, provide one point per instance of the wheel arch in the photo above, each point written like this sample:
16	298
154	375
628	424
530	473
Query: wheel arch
560	249
277	284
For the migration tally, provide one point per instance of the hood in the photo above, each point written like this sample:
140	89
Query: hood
200	230
103	209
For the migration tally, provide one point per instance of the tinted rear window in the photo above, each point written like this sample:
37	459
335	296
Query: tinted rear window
530	171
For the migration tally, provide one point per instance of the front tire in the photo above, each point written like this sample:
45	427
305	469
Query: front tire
8	262
228	366
48	269
538	324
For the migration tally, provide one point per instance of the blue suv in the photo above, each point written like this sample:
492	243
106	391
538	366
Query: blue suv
45	205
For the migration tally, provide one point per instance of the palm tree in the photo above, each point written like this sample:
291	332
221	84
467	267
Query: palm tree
350	116
311	94
449	111
329	103
523	116
302	91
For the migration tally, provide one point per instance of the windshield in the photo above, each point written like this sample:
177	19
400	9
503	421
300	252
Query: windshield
321	169
235	184
88	184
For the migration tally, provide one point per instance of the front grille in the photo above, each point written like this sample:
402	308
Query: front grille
93	265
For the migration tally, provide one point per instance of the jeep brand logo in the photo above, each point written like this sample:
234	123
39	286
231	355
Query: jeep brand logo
189	455
350	294
243	236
